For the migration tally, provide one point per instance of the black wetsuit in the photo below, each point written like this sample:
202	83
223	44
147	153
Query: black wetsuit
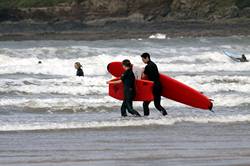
152	72
242	59
128	79
79	72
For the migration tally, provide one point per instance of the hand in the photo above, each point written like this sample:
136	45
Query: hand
107	82
115	82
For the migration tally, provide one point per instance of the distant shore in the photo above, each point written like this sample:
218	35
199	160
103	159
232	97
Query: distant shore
118	30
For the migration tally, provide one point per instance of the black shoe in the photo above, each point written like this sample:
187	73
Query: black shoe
124	115
137	114
164	112
146	113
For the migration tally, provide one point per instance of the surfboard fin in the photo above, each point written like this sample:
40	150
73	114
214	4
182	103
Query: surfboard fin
211	107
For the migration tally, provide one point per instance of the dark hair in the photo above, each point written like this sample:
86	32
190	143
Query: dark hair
78	64
145	55
126	63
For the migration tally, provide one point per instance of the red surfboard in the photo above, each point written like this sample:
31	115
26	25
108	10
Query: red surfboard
143	90
172	89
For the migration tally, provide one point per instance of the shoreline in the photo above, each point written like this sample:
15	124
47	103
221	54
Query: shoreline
119	30
172	145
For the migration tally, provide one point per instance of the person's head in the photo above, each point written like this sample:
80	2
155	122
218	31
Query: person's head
39	62
126	64
78	65
244	57
145	57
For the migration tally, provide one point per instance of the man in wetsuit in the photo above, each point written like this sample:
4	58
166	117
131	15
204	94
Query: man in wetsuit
151	72
243	58
128	79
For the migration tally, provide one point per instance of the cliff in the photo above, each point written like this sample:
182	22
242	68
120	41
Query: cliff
133	10
46	16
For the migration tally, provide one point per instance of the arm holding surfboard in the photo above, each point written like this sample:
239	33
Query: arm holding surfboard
114	81
127	82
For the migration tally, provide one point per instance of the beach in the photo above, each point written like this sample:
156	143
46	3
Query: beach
189	143
112	30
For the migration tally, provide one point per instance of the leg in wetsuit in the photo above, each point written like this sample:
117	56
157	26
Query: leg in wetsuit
157	101
127	104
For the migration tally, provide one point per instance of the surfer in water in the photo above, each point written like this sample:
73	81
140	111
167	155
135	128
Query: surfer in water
151	72
128	79
79	71
243	58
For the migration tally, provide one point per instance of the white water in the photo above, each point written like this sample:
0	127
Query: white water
29	90
123	123
158	36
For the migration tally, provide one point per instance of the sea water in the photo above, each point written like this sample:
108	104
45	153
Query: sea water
45	102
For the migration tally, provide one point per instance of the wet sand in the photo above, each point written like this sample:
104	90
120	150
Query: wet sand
119	30
189	143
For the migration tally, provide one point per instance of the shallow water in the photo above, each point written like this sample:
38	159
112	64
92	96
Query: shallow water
38	100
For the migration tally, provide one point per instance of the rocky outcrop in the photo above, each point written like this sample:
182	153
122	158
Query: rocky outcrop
188	9
245	12
131	10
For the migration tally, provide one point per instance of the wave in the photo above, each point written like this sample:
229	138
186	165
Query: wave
76	86
198	63
96	65
69	102
214	83
158	36
56	110
216	79
102	89
126	122
71	86
59	102
65	67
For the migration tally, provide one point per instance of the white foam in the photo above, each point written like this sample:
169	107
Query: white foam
208	84
60	60
59	103
220	100
71	85
231	100
196	57
158	36
165	121
196	68
95	65
96	86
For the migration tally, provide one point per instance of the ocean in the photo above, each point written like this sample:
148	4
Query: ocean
48	116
